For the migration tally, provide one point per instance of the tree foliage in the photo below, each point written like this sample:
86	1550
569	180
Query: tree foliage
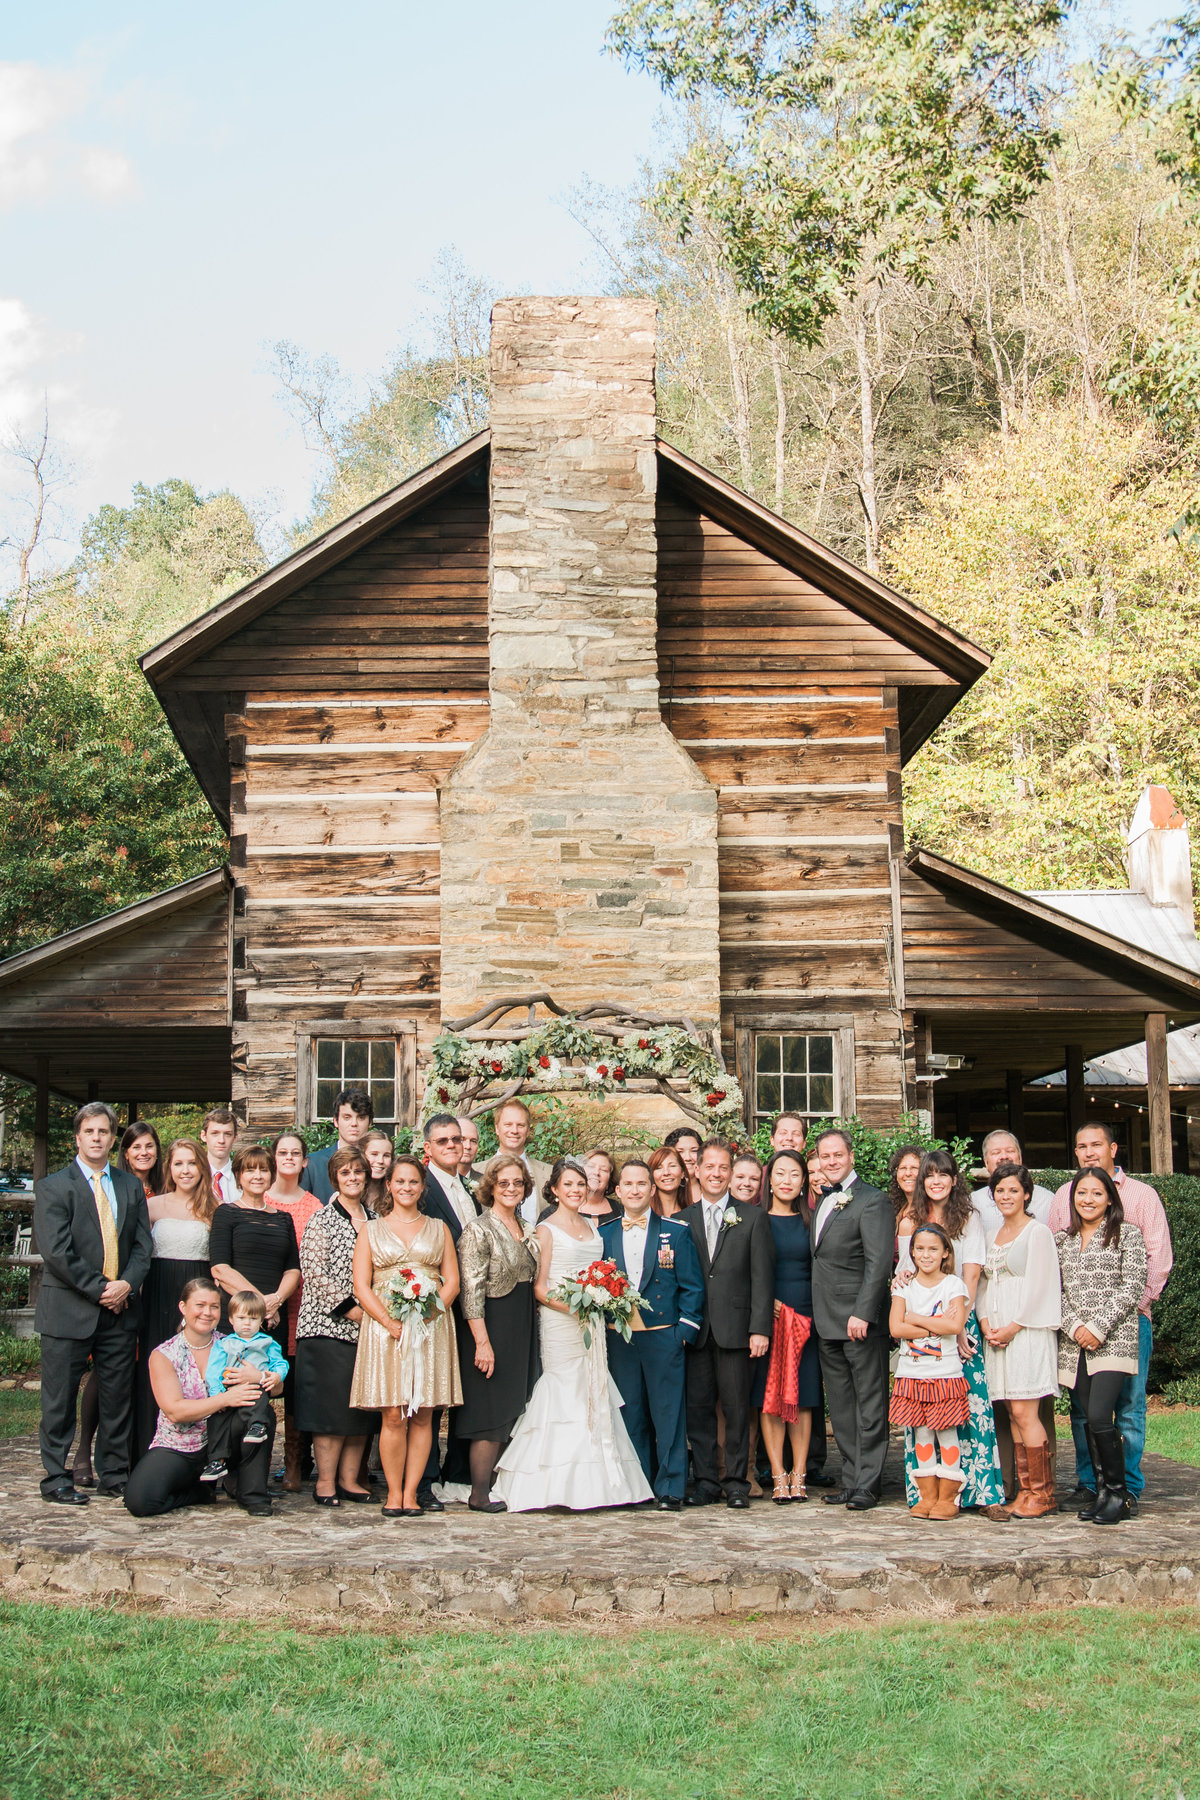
1053	548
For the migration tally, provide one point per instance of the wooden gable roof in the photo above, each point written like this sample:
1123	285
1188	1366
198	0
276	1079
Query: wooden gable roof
401	588
137	1000
1013	980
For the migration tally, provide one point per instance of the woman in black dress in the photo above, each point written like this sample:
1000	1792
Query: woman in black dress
498	1344
253	1247
787	1383
327	1337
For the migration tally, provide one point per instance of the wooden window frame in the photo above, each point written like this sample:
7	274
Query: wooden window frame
838	1026
403	1032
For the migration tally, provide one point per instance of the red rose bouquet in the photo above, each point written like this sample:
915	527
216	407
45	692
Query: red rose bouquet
411	1295
600	1295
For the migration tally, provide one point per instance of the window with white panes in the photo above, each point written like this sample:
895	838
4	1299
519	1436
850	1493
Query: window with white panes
794	1072
368	1063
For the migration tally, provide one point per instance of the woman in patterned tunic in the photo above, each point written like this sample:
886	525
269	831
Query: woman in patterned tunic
1103	1261
941	1197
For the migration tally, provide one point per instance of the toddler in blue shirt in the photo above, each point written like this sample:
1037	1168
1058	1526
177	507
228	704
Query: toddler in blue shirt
246	1345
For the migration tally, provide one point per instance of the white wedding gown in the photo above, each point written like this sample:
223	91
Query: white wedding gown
571	1447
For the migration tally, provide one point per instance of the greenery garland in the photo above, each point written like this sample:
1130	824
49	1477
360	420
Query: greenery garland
472	1074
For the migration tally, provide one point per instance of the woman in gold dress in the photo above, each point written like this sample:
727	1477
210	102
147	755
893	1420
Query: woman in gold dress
407	1369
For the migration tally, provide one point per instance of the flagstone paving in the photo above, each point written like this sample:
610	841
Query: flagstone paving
698	1565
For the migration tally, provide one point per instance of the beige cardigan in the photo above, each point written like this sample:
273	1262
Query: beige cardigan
1101	1289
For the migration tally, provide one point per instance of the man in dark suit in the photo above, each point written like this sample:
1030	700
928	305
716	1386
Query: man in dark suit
737	1259
659	1256
853	1240
92	1230
448	1198
353	1116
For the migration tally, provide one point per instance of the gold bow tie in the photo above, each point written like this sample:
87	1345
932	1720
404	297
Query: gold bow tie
633	1224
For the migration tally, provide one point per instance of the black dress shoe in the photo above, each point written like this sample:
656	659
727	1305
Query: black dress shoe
861	1501
489	1506
669	1503
257	1509
839	1497
111	1490
701	1497
428	1503
1081	1495
364	1499
820	1479
66	1496
740	1501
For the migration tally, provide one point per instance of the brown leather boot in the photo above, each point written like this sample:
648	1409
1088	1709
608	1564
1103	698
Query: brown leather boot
1021	1464
291	1483
1036	1500
946	1505
927	1487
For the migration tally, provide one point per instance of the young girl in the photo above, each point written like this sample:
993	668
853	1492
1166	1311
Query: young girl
930	1396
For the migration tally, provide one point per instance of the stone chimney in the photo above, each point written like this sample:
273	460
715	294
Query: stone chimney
1159	854
579	842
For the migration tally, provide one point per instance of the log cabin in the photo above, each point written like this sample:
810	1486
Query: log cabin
566	711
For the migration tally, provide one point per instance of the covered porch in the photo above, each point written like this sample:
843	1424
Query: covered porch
131	1009
1007	988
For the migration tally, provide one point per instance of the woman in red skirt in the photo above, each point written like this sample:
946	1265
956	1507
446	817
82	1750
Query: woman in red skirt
930	1392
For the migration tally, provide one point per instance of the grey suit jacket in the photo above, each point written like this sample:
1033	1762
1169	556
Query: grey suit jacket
66	1232
852	1263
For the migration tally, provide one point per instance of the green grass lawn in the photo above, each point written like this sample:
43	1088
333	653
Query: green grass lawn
20	1410
1101	1704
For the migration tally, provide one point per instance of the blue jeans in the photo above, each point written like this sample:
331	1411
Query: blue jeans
1130	1421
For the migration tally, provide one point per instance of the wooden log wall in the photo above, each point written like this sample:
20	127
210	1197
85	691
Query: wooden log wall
361	693
788	703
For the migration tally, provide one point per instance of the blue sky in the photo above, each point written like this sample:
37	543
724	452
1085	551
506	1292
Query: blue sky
180	187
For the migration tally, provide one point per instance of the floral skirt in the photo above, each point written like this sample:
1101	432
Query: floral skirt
983	1484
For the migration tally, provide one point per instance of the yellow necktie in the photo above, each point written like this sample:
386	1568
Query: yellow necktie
108	1231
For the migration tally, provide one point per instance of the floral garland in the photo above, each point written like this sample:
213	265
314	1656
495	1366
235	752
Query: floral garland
567	1054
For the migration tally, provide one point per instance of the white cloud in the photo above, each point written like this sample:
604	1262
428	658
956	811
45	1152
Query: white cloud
38	154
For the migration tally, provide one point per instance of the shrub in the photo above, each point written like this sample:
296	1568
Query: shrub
18	1355
1177	1311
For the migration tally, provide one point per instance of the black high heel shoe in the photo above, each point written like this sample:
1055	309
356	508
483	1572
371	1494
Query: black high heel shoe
364	1499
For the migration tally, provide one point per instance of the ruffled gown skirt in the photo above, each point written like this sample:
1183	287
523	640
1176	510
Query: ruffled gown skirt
570	1447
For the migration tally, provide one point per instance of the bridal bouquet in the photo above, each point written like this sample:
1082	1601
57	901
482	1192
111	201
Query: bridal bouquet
414	1296
600	1294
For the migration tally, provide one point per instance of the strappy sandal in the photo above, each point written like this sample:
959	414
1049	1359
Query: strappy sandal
782	1494
798	1489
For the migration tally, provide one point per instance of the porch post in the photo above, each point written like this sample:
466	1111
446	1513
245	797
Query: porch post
41	1119
1016	1105
1158	1093
1076	1098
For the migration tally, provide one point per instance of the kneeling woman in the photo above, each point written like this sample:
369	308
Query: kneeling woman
930	1396
408	1369
168	1476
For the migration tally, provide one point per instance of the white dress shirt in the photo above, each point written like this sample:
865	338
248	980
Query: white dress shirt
224	1186
633	1243
829	1205
104	1177
460	1202
991	1215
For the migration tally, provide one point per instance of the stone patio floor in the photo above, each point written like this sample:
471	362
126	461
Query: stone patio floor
810	1559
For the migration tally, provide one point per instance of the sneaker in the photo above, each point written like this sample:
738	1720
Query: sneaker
255	1434
214	1471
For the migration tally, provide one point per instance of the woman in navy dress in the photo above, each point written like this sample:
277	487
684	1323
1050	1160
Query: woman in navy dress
787	1383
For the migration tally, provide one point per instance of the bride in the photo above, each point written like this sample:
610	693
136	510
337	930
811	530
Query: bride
570	1447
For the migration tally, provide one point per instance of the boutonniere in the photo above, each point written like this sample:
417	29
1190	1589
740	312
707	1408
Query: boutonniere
842	1201
730	1217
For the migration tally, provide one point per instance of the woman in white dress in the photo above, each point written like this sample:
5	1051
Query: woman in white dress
1019	1307
570	1447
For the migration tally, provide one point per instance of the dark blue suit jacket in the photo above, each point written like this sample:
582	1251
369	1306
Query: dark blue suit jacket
672	1282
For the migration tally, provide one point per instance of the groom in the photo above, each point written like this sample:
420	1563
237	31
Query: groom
737	1260
660	1259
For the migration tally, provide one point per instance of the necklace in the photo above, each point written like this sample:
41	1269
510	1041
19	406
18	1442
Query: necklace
192	1345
